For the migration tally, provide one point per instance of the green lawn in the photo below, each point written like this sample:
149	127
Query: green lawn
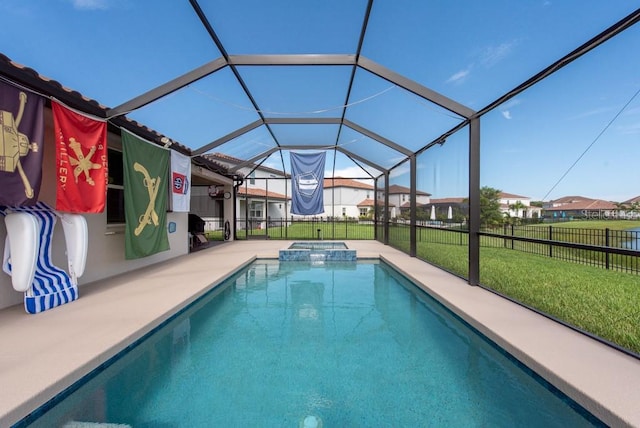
602	302
309	230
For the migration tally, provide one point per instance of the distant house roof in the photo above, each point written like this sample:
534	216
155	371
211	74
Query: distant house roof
447	201
221	157
366	203
370	203
632	200
570	199
504	195
591	204
396	189
418	204
249	191
346	182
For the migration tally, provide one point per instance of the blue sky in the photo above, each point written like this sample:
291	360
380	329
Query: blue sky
471	52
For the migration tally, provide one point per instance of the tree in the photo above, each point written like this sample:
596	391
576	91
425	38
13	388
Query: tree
490	214
516	207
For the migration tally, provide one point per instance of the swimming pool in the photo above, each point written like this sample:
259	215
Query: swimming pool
354	344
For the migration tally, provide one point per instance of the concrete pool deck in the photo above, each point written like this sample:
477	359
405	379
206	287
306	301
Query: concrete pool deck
41	355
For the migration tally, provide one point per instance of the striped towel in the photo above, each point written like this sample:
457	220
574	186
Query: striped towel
51	286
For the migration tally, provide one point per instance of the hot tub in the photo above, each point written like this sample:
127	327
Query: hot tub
317	252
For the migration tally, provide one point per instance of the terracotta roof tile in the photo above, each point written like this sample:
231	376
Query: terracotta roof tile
250	191
366	203
397	189
447	200
346	182
505	195
591	204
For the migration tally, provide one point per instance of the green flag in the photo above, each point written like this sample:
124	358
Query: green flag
146	171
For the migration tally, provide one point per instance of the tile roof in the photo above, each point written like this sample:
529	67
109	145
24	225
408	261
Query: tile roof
590	204
346	182
252	191
370	203
397	189
569	199
632	200
367	203
504	195
447	200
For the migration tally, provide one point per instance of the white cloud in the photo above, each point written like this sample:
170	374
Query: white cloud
629	129
505	108
459	77
491	55
593	112
90	4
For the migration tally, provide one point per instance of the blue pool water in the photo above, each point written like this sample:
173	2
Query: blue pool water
351	344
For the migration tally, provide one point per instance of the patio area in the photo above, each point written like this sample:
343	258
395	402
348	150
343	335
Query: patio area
66	343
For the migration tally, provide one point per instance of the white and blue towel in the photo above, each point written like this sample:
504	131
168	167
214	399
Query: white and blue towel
51	285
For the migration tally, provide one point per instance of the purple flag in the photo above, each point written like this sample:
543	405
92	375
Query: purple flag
21	139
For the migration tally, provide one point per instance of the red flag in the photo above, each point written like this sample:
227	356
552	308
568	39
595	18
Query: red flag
81	159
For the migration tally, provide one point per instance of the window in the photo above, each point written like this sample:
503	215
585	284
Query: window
252	178
255	210
363	212
115	189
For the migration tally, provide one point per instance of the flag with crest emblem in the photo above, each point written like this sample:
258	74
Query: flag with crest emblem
81	161
21	139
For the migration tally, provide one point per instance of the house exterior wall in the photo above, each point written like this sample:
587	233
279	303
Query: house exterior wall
346	201
527	211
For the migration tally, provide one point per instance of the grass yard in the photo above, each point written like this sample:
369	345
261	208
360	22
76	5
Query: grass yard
602	302
309	230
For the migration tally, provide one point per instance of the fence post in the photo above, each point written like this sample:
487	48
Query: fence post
512	235
606	243
504	232
550	239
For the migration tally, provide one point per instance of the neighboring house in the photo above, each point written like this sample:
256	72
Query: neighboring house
564	201
518	206
264	194
345	197
572	207
106	230
399	196
261	206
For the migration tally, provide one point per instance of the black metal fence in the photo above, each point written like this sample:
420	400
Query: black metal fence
611	249
307	229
